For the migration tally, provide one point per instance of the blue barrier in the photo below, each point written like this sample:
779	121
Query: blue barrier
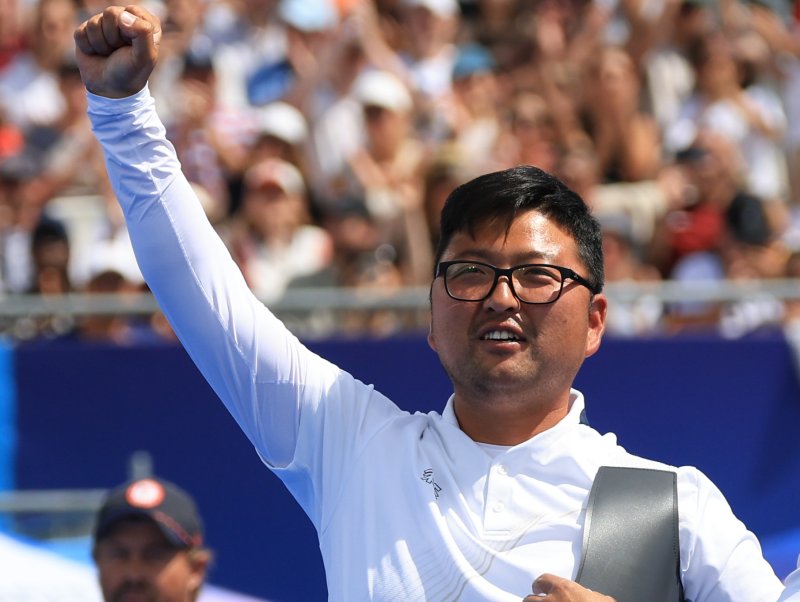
730	408
8	418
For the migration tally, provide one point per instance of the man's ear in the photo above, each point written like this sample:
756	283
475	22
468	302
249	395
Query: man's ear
199	561
598	308
431	338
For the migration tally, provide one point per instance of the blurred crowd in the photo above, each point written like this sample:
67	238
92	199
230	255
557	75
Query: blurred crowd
323	136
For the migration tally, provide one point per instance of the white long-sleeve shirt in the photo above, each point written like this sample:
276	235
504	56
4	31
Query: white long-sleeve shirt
406	506
792	592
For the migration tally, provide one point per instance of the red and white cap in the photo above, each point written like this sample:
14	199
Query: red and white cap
172	510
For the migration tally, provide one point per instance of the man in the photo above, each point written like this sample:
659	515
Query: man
148	544
474	504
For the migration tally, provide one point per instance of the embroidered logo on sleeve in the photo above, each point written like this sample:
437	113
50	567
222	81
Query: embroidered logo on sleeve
427	476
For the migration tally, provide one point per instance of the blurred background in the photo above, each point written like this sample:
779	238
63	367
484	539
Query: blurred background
322	137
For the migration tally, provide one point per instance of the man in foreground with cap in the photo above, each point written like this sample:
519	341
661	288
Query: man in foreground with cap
148	544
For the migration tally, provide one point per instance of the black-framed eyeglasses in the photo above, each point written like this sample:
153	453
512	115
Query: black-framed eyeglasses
532	283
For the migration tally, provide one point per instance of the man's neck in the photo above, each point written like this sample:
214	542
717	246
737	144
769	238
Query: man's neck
507	423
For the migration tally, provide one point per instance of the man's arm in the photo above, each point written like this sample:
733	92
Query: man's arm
305	417
186	265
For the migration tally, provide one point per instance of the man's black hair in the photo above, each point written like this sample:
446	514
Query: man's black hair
498	198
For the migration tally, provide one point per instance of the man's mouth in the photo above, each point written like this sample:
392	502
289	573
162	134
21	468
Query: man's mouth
133	591
500	335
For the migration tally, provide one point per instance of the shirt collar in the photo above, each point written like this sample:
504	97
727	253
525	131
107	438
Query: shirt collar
576	414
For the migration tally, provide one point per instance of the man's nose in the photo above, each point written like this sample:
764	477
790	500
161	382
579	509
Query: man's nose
502	297
135	570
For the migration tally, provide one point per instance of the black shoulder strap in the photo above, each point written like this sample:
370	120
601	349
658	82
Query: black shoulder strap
631	549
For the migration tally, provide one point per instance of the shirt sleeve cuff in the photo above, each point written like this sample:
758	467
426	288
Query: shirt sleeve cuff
101	105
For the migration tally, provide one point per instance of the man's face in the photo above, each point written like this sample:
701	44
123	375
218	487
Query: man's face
136	563
549	341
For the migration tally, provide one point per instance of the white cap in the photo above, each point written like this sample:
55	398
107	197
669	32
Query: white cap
276	172
115	255
283	121
441	8
382	89
309	15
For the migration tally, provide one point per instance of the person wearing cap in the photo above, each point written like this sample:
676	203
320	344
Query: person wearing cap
486	500
281	131
388	169
148	543
430	27
271	237
472	113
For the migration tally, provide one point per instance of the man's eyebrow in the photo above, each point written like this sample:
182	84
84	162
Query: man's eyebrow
517	259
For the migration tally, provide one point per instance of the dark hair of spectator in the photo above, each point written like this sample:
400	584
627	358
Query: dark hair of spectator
498	198
49	230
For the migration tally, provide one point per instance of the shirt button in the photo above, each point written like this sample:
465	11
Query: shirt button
502	470
498	507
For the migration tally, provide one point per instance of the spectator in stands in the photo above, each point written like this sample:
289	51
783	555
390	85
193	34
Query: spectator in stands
658	46
67	155
19	214
250	54
272	237
623	264
148	543
780	34
107	327
11	31
281	132
50	254
429	28
688	240
751	252
531	136
713	168
450	167
210	139
501	26
626	138
29	93
184	36
388	170
474	111
310	25
565	36
334	116
11	138
749	117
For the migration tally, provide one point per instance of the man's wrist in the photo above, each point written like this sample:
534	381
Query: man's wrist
104	105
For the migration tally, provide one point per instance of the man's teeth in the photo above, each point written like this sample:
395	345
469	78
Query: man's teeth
500	335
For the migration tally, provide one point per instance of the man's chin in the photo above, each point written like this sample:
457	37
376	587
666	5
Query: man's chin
134	595
504	377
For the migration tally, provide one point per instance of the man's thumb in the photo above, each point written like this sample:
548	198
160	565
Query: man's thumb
545	583
127	19
143	38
